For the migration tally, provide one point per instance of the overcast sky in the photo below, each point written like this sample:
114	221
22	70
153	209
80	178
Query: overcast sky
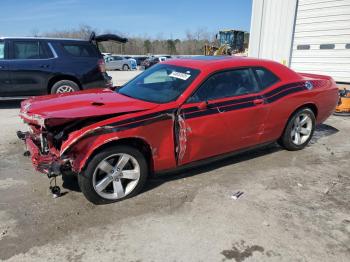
134	18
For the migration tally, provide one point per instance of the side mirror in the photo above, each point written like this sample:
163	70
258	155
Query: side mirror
203	105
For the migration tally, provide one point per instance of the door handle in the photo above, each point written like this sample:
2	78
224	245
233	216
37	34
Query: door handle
259	101
44	66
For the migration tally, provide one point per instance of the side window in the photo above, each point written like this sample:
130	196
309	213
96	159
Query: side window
265	77
2	50
79	50
26	50
226	84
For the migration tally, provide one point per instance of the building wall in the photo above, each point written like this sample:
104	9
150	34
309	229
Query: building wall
271	31
322	38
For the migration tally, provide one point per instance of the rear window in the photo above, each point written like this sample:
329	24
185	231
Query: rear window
80	50
265	77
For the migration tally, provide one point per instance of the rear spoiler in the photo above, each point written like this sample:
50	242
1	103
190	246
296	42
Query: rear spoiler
314	76
107	37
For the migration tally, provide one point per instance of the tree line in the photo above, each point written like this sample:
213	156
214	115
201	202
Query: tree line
191	44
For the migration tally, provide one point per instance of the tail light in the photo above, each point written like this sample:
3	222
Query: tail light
101	65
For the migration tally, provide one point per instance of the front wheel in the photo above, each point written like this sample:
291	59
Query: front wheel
113	174
125	68
299	130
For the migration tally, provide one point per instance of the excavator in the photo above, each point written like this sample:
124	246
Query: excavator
231	42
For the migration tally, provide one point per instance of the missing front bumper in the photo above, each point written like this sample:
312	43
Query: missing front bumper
48	164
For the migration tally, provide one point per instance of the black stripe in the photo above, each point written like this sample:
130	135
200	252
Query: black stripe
139	118
216	110
285	93
246	99
281	88
237	104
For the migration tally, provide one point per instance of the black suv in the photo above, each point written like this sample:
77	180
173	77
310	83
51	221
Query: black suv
38	66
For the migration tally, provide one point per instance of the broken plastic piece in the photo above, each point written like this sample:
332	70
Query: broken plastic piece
236	195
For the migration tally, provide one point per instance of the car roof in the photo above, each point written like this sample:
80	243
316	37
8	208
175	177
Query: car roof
215	63
43	38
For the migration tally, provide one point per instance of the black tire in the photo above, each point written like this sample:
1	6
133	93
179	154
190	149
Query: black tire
85	178
126	68
286	140
69	85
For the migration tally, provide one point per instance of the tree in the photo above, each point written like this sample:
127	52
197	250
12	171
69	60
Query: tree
148	46
171	46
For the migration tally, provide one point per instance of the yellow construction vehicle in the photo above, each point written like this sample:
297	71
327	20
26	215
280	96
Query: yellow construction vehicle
231	42
343	108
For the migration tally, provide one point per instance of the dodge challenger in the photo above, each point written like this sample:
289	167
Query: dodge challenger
178	113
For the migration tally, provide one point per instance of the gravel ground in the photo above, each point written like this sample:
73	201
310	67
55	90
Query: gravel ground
295	207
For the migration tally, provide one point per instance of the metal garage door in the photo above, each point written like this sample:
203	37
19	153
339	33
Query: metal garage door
322	38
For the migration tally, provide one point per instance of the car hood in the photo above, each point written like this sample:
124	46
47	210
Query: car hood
61	108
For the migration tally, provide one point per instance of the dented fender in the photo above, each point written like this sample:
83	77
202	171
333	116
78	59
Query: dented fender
155	130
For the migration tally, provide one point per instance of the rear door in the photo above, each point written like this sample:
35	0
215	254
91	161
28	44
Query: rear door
30	67
232	119
5	83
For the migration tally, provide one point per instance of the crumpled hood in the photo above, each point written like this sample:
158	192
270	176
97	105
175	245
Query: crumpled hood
79	105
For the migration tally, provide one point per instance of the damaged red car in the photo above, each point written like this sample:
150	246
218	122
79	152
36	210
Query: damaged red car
174	114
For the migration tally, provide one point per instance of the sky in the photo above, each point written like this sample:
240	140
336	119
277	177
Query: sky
150	18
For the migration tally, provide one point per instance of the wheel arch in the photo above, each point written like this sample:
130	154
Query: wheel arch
136	142
57	78
310	105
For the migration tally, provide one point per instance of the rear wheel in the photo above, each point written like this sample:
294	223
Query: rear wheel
126	67
299	130
64	86
114	174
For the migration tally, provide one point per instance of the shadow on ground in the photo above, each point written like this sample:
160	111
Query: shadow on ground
70	182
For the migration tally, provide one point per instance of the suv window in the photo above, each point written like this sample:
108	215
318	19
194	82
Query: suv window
79	50
265	77
226	84
28	50
2	50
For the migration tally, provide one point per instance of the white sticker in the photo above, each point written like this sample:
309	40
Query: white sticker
179	75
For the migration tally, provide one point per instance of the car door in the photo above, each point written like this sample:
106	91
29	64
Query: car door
5	83
29	66
118	60
226	113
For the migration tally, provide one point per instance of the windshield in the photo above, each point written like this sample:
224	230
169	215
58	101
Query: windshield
161	83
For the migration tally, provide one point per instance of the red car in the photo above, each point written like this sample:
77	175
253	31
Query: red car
176	113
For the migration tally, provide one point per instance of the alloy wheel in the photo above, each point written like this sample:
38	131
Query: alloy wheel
65	89
116	176
302	129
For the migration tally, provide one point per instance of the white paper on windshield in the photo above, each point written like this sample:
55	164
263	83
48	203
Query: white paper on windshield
179	75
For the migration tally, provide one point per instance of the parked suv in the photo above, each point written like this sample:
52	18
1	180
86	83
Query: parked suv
38	66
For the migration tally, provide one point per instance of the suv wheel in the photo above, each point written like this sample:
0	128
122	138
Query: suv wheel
113	174
299	130
64	86
126	67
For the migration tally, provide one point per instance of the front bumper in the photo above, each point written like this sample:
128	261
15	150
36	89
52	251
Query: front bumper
48	164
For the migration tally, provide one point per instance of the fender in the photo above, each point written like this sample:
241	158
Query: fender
83	143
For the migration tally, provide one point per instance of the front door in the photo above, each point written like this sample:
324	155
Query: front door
225	114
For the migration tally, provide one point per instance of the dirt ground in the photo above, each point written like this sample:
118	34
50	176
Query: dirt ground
295	207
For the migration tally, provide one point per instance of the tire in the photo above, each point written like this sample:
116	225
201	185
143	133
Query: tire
290	139
64	86
126	68
115	186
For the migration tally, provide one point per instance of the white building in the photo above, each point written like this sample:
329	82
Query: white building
310	36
